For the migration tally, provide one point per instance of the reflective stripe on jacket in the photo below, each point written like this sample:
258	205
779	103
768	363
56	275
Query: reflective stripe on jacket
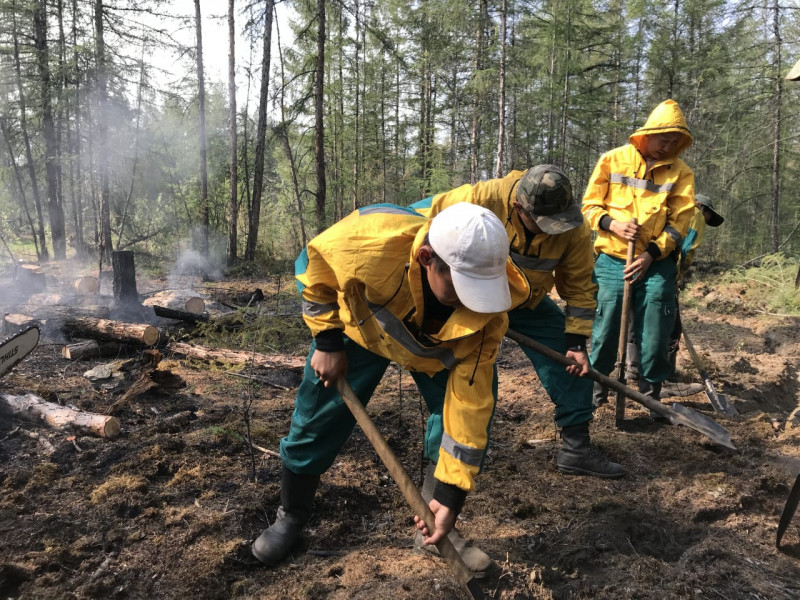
564	260
362	276
661	198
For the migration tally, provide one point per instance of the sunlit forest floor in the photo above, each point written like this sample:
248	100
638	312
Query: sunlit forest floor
169	508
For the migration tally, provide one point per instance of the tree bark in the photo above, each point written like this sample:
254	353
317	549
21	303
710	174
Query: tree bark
201	98
319	129
124	286
37	198
104	234
185	300
501	109
292	363
31	407
233	199
776	132
261	138
105	329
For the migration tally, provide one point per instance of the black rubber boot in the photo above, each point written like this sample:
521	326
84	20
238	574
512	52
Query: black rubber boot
476	559
673	360
599	394
652	390
297	505
578	457
633	362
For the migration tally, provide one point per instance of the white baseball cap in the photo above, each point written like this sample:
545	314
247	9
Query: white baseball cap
474	244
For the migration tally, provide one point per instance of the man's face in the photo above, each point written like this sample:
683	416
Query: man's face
661	145
707	215
440	281
527	219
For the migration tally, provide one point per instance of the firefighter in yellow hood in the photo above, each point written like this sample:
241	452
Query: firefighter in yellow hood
388	284
647	180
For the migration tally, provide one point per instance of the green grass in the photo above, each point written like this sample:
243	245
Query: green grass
770	285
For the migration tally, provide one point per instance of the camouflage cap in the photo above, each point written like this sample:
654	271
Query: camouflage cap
545	194
716	219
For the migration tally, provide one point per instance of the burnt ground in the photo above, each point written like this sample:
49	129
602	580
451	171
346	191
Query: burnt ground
169	508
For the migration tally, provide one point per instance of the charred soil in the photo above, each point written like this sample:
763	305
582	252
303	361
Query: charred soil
170	507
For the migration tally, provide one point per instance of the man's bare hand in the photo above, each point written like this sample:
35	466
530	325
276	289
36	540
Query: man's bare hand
445	519
329	366
580	357
627	230
638	268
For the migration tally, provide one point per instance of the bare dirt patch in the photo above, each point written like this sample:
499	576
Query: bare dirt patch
168	509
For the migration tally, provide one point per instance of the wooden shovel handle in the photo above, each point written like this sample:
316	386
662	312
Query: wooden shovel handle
446	549
623	333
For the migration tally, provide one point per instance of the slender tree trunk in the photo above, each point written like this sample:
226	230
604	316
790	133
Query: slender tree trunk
55	207
477	96
319	129
37	199
201	98
562	142
76	146
261	138
105	246
283	133
776	130
233	202
20	186
129	197
356	106
501	127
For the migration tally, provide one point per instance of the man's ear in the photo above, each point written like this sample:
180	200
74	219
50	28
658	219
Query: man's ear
425	256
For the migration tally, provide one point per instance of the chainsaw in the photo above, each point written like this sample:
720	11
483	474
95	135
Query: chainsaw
16	347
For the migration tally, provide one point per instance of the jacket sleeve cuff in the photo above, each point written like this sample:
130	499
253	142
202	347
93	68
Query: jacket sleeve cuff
575	340
330	340
605	222
449	495
653	250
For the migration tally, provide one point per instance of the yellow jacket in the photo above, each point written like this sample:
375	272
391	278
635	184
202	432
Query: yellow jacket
564	260
362	276
661	198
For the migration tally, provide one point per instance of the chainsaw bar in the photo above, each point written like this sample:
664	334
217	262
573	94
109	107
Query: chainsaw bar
16	347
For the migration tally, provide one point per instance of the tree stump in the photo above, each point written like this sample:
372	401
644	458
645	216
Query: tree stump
125	293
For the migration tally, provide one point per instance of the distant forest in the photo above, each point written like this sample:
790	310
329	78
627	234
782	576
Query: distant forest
365	102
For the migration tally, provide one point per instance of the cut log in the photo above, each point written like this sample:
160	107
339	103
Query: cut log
82	349
124	286
180	315
30	278
104	329
278	361
185	300
60	311
70	300
32	407
86	285
14	322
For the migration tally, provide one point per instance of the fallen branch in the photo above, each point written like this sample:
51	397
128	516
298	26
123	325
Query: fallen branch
275	361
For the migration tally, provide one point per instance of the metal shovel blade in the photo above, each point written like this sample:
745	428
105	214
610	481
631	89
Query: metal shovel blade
683	415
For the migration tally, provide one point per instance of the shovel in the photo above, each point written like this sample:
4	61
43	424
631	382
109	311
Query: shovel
446	549
623	337
677	415
720	402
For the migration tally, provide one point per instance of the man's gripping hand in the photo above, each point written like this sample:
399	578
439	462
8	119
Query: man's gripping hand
329	366
444	520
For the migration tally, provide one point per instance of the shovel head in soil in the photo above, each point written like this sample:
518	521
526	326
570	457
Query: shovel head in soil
788	511
720	402
682	416
446	549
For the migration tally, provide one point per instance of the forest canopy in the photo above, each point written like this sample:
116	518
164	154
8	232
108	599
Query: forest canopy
113	137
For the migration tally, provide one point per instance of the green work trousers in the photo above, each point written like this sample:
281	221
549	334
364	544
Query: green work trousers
321	422
571	395
653	305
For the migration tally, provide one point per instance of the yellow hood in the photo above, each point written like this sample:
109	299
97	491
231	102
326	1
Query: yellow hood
665	118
